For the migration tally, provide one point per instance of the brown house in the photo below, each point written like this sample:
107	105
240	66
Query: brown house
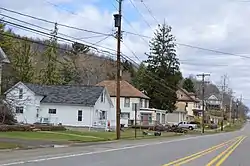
129	95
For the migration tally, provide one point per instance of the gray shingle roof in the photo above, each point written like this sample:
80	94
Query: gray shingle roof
67	94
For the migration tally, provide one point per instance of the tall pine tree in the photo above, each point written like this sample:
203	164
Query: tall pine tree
163	66
50	74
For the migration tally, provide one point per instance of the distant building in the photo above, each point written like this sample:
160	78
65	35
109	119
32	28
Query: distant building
186	104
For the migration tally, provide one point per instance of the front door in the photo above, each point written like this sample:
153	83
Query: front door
145	119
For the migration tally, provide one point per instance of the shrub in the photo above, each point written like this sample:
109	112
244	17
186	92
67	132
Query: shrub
7	128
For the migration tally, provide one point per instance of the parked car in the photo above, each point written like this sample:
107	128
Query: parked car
188	125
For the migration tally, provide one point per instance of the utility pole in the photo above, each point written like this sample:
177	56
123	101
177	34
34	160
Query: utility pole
231	105
1	66
222	100
135	109
118	18
237	108
238	112
203	99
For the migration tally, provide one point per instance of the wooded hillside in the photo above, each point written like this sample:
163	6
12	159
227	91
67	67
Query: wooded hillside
40	61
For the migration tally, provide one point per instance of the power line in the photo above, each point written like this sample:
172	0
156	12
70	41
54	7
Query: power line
126	20
140	14
51	22
31	30
182	62
150	12
73	13
195	47
132	33
48	34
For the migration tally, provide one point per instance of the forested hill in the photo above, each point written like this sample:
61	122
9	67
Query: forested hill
59	63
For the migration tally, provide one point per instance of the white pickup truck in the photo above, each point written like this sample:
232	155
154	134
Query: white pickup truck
187	125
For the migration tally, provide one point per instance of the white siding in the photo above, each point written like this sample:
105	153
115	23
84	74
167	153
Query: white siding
34	111
190	109
67	114
28	102
106	105
126	110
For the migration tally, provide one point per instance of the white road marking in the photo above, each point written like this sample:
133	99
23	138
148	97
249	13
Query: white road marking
105	151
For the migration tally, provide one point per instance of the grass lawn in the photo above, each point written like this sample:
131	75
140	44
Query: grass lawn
229	128
49	136
234	127
79	136
5	145
127	134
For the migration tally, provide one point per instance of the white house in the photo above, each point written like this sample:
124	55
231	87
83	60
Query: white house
129	95
67	105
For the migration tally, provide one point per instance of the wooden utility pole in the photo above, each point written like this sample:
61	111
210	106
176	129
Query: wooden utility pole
231	105
1	78
237	109
118	77
203	99
135	109
222	99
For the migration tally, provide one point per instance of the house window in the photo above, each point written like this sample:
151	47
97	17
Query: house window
46	120
19	110
103	115
146	104
79	115
125	115
103	97
158	117
20	93
52	111
141	103
127	102
163	119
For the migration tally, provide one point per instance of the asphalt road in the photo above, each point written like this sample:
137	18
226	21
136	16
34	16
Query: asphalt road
227	149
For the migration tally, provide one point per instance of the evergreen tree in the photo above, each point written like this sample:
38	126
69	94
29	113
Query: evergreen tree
138	80
50	74
162	71
188	85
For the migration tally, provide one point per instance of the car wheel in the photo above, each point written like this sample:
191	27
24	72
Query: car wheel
190	128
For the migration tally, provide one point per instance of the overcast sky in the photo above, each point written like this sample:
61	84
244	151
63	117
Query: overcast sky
221	25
